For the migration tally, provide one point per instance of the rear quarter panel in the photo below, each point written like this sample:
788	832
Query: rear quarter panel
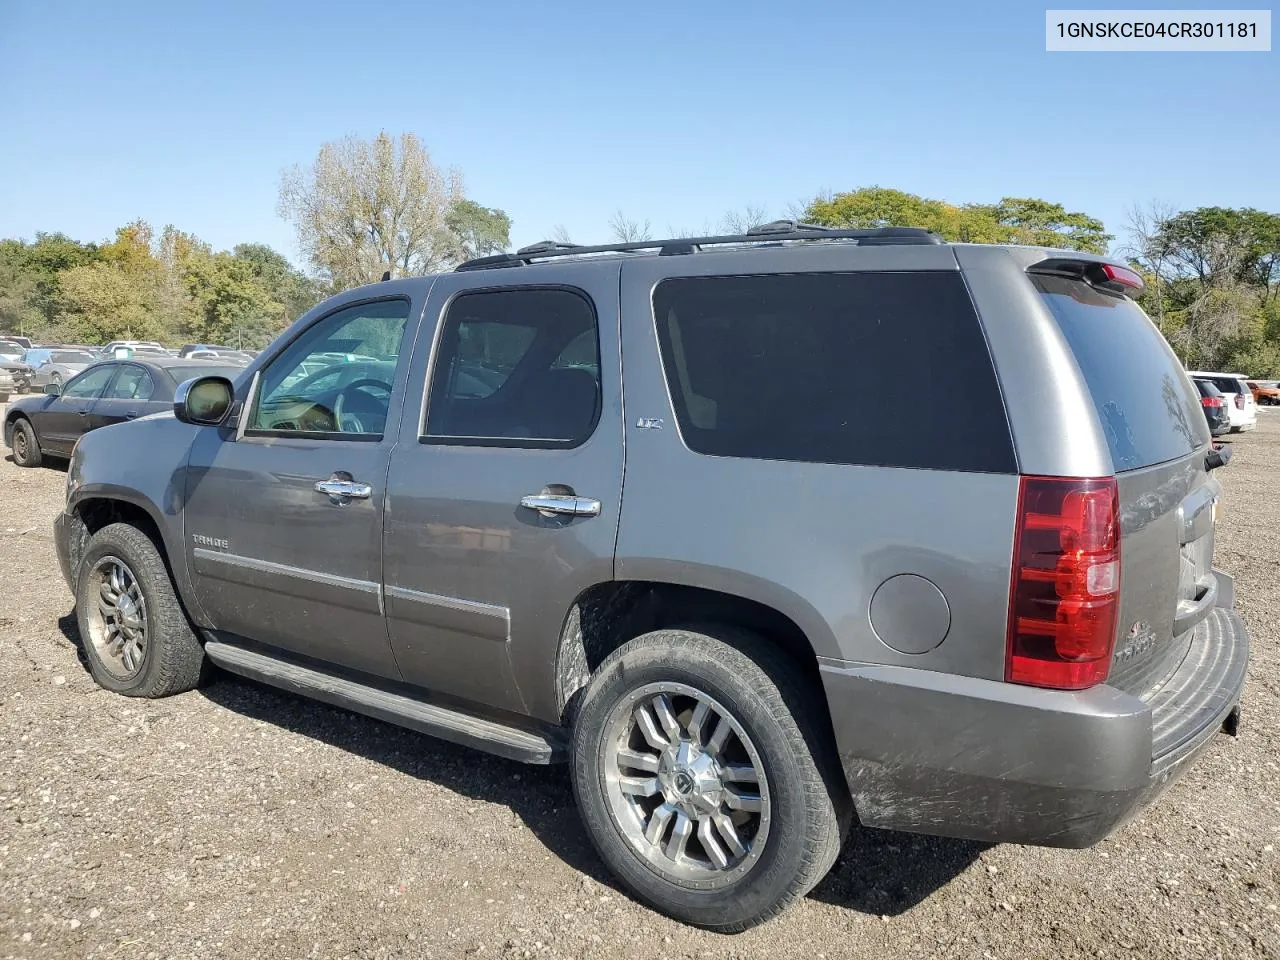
813	541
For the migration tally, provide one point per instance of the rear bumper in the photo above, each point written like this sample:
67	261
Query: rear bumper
985	760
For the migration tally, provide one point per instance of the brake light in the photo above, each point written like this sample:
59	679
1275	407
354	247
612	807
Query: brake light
1065	594
1122	276
1214	402
1239	401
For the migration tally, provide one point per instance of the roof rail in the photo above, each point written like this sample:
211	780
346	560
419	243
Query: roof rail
768	233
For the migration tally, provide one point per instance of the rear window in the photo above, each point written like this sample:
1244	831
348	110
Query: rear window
808	367
1144	399
1228	384
1207	389
181	374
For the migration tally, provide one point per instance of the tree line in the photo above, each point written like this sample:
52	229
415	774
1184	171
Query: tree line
364	209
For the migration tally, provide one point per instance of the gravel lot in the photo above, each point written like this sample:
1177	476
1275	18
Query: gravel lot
240	822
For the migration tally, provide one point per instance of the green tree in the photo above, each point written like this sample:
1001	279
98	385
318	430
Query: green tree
1012	220
478	231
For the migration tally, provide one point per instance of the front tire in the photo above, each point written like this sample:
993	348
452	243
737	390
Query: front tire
26	445
135	633
705	773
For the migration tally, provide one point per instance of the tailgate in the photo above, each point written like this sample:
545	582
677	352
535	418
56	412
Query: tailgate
1157	436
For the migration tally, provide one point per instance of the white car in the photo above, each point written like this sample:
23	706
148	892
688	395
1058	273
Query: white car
1242	409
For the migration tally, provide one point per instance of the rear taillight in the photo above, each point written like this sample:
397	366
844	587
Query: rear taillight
1214	402
1066	582
1239	401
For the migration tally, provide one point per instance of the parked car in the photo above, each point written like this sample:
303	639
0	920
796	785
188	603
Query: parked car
108	349
1214	406
23	342
55	365
1241	406
113	391
994	618
1265	392
7	386
227	356
14	367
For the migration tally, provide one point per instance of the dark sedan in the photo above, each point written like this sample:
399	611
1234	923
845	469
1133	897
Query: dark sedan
108	392
1215	407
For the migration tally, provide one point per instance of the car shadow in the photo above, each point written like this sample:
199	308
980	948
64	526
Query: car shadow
878	872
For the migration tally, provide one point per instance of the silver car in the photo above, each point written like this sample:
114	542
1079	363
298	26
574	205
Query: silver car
627	508
55	365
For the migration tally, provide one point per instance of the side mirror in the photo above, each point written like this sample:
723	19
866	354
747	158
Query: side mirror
53	389
204	401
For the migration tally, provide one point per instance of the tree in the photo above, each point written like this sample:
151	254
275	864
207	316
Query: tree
1012	220
740	221
478	231
367	207
626	230
294	291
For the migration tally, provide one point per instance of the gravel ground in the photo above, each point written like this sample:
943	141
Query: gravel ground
241	822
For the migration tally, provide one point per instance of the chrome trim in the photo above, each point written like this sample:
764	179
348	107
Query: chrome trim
246	411
452	603
340	491
268	566
552	504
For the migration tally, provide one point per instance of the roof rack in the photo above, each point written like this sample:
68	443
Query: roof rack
771	233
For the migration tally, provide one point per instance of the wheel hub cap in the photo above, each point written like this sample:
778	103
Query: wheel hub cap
686	785
117	617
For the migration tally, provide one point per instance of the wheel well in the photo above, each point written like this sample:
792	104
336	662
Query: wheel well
10	419
97	513
606	616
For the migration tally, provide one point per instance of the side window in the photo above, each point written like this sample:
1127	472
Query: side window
133	383
501	378
90	383
335	379
807	367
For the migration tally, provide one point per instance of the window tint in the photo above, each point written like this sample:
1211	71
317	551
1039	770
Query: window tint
501	375
132	383
1142	396
1207	389
808	367
91	382
330	380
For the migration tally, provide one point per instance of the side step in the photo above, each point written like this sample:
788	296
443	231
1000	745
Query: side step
428	718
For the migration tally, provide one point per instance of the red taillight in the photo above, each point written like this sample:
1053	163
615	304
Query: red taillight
1066	582
1214	402
1239	401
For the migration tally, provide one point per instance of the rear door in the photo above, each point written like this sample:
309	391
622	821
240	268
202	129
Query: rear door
126	398
1151	416
504	491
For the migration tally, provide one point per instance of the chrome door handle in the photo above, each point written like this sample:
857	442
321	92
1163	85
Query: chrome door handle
343	491
559	504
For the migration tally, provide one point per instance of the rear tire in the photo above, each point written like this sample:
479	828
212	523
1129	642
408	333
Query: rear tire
723	843
26	446
135	633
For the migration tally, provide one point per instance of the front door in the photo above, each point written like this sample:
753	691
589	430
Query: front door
66	418
504	491
284	521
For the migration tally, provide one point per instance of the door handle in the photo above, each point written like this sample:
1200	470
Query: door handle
342	491
560	504
131	414
84	413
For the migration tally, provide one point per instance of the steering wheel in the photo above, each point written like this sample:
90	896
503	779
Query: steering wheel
348	394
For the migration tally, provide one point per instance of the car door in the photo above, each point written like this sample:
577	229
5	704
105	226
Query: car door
127	397
503	494
62	422
283	516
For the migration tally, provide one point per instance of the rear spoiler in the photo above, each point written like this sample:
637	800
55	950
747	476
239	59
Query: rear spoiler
1110	277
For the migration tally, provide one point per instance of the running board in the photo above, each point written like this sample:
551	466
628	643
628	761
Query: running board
429	718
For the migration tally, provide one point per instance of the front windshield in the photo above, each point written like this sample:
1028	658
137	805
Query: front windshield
71	356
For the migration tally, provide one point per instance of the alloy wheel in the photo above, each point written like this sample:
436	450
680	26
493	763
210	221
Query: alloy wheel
118	618
686	785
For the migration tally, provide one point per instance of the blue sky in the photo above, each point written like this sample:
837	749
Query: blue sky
562	113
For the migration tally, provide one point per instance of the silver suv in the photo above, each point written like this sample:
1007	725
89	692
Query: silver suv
639	508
